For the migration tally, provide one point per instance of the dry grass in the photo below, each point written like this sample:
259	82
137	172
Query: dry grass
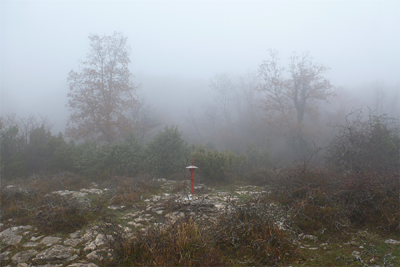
243	236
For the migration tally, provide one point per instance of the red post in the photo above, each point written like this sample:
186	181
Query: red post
192	179
192	169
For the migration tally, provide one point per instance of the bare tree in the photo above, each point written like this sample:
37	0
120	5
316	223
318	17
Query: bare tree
292	93
102	92
296	93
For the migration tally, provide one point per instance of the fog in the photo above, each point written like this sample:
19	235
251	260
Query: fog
178	46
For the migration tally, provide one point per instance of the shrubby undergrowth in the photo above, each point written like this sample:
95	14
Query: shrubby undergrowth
245	235
359	186
320	199
216	165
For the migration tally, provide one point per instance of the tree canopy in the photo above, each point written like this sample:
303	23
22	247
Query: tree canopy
101	91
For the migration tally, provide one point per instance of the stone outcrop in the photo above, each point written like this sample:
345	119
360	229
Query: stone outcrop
50	240
11	235
24	256
56	252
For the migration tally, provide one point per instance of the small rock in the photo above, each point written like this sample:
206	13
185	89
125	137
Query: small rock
90	246
4	255
94	256
74	257
89	235
310	237
47	265
36	238
50	240
356	254
14	230
131	215
392	242
73	242
135	224
78	264
56	252
30	244
75	234
24	256
12	239
100	240
92	191
174	216
116	207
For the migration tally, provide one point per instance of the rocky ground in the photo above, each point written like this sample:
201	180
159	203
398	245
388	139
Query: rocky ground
24	245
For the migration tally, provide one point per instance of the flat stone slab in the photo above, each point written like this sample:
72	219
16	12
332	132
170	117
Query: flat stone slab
15	230
392	242
4	255
30	244
50	240
24	256
46	265
10	236
34	238
73	242
82	265
56	252
11	239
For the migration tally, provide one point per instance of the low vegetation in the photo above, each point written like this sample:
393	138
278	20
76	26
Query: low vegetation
346	208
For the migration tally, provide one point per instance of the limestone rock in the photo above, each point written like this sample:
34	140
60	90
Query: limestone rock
73	242
94	256
30	244
74	257
89	235
56	252
33	238
82	265
46	265
15	230
24	256
10	236
11	239
50	240
75	234
102	239
4	255
392	242
92	191
90	246
172	217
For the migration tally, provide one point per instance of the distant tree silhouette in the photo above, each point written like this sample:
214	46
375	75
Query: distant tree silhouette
290	94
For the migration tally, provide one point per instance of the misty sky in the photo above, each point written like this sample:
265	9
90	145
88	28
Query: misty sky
173	41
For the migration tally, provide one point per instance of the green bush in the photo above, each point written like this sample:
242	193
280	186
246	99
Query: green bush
124	158
33	152
257	157
215	165
166	154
